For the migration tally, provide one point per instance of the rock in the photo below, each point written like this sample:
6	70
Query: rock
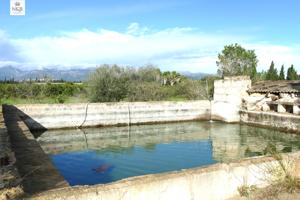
281	108
265	107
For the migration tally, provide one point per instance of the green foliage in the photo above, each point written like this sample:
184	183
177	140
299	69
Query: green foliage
260	76
113	83
38	91
171	78
146	91
108	83
272	73
281	74
292	74
235	60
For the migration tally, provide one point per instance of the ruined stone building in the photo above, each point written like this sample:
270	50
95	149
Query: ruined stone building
274	96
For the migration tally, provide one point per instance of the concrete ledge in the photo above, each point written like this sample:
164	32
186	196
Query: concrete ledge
197	183
35	167
54	116
9	176
280	121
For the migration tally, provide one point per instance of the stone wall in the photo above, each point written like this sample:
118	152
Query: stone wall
53	116
228	95
219	181
282	121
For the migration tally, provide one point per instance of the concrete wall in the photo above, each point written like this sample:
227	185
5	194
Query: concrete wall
34	166
228	94
52	116
282	121
219	181
9	176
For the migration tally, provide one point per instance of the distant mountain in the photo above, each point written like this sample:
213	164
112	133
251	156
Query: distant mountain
76	74
194	76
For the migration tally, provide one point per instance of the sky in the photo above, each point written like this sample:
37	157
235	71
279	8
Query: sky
170	34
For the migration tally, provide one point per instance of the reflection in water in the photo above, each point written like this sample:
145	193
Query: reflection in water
102	155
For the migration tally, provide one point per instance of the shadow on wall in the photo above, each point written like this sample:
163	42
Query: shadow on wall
35	128
34	166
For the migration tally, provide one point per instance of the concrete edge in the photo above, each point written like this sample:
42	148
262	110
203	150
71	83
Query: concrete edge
70	192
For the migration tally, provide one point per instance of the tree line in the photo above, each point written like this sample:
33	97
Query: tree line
235	60
148	83
273	74
59	92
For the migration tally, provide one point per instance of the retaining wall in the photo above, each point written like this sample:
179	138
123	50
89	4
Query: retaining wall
283	121
53	116
228	94
9	176
34	166
219	181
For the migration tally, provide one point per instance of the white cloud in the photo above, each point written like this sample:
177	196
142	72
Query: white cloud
280	54
182	49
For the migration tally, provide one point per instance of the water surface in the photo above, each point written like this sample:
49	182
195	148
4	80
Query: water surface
103	155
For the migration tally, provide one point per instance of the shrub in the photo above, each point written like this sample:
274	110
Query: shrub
108	83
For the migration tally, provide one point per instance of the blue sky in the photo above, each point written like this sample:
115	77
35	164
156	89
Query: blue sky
173	34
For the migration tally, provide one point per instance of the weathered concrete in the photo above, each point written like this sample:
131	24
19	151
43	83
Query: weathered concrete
219	181
228	94
296	110
36	169
53	116
9	176
282	121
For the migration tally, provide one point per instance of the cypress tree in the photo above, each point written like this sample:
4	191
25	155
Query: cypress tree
281	74
292	74
272	73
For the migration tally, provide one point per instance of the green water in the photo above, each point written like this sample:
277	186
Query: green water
103	155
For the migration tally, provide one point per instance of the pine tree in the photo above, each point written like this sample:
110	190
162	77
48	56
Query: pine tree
281	74
292	74
272	73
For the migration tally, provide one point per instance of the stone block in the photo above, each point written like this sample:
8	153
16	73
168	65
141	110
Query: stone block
281	108
296	110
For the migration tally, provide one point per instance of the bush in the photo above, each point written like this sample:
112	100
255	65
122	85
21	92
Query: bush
108	83
146	91
39	91
113	83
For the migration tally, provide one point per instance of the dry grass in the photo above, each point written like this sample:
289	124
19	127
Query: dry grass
280	176
11	193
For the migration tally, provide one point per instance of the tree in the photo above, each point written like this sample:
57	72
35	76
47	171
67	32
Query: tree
235	60
281	74
292	74
171	78
272	73
108	83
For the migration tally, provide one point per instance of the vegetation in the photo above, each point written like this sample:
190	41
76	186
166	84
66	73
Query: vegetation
235	60
114	83
272	73
38	92
292	74
246	190
110	84
280	176
282	74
